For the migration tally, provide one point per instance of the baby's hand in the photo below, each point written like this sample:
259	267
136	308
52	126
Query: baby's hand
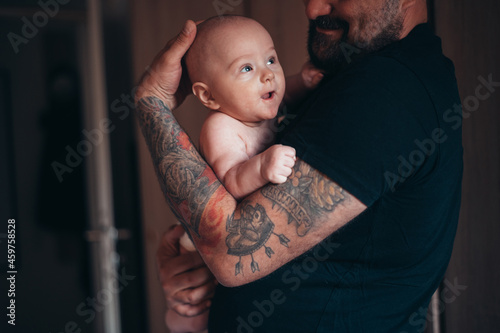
277	163
311	76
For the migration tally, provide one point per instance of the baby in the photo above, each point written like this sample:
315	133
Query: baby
235	73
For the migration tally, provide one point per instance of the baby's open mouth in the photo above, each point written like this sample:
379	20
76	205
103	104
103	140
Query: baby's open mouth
268	95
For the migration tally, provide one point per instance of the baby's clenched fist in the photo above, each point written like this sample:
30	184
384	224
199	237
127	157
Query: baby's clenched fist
277	163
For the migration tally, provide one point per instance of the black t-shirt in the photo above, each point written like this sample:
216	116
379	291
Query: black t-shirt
386	129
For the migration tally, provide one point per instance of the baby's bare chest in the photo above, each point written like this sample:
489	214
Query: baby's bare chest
257	139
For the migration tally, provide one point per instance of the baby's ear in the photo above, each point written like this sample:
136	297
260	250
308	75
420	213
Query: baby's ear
202	91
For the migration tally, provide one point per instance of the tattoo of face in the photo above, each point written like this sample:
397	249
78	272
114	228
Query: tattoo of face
182	172
304	197
250	233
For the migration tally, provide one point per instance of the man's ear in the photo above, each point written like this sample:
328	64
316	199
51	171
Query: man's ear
202	91
405	4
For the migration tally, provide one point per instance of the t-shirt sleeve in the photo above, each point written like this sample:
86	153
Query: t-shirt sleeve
361	125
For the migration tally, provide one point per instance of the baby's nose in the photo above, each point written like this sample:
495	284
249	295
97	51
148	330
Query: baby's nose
267	75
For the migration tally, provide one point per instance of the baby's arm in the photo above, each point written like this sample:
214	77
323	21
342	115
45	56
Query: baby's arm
246	176
298	85
225	150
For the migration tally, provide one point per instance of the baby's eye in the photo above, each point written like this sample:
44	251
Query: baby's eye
271	61
246	69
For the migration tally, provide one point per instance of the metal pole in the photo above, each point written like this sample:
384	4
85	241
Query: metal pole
102	233
436	319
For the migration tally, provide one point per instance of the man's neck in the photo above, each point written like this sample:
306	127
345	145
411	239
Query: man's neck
414	15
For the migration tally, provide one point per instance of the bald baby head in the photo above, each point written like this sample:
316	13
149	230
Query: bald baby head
234	69
214	37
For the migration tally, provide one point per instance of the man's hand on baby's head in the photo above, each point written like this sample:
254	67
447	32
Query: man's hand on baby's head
311	76
277	163
163	77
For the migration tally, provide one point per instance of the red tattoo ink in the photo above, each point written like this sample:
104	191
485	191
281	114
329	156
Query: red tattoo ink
214	219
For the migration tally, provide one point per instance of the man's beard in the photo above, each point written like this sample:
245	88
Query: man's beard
329	55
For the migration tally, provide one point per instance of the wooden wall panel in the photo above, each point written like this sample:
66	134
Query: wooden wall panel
469	30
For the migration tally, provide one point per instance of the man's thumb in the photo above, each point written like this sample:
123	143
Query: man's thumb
184	39
173	235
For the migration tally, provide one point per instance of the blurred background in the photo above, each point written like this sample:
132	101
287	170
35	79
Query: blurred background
76	176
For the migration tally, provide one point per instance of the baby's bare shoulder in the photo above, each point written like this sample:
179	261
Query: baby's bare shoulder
220	126
219	120
221	133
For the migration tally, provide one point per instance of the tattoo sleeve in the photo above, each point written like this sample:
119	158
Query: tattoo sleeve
185	178
277	216
304	198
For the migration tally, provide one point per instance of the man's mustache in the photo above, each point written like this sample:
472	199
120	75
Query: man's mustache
329	23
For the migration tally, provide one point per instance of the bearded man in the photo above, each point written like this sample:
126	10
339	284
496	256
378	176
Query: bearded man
364	227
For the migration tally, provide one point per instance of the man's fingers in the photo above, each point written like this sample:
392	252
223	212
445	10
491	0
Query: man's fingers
172	235
180	265
317	79
187	310
169	246
197	295
186	281
172	285
182	42
177	323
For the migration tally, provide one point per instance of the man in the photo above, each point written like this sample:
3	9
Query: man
360	235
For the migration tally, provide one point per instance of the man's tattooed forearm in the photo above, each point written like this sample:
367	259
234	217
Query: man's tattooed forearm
185	177
292	206
305	196
250	233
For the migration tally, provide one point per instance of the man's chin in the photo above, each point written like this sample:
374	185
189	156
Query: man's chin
325	51
328	61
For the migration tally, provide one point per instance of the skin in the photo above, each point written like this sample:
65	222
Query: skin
365	25
327	211
187	283
236	69
241	80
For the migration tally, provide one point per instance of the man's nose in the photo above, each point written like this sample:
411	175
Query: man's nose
316	8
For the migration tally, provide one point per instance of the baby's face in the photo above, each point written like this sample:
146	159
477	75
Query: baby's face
247	79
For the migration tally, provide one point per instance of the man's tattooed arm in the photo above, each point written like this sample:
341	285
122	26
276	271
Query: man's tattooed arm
187	181
241	242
